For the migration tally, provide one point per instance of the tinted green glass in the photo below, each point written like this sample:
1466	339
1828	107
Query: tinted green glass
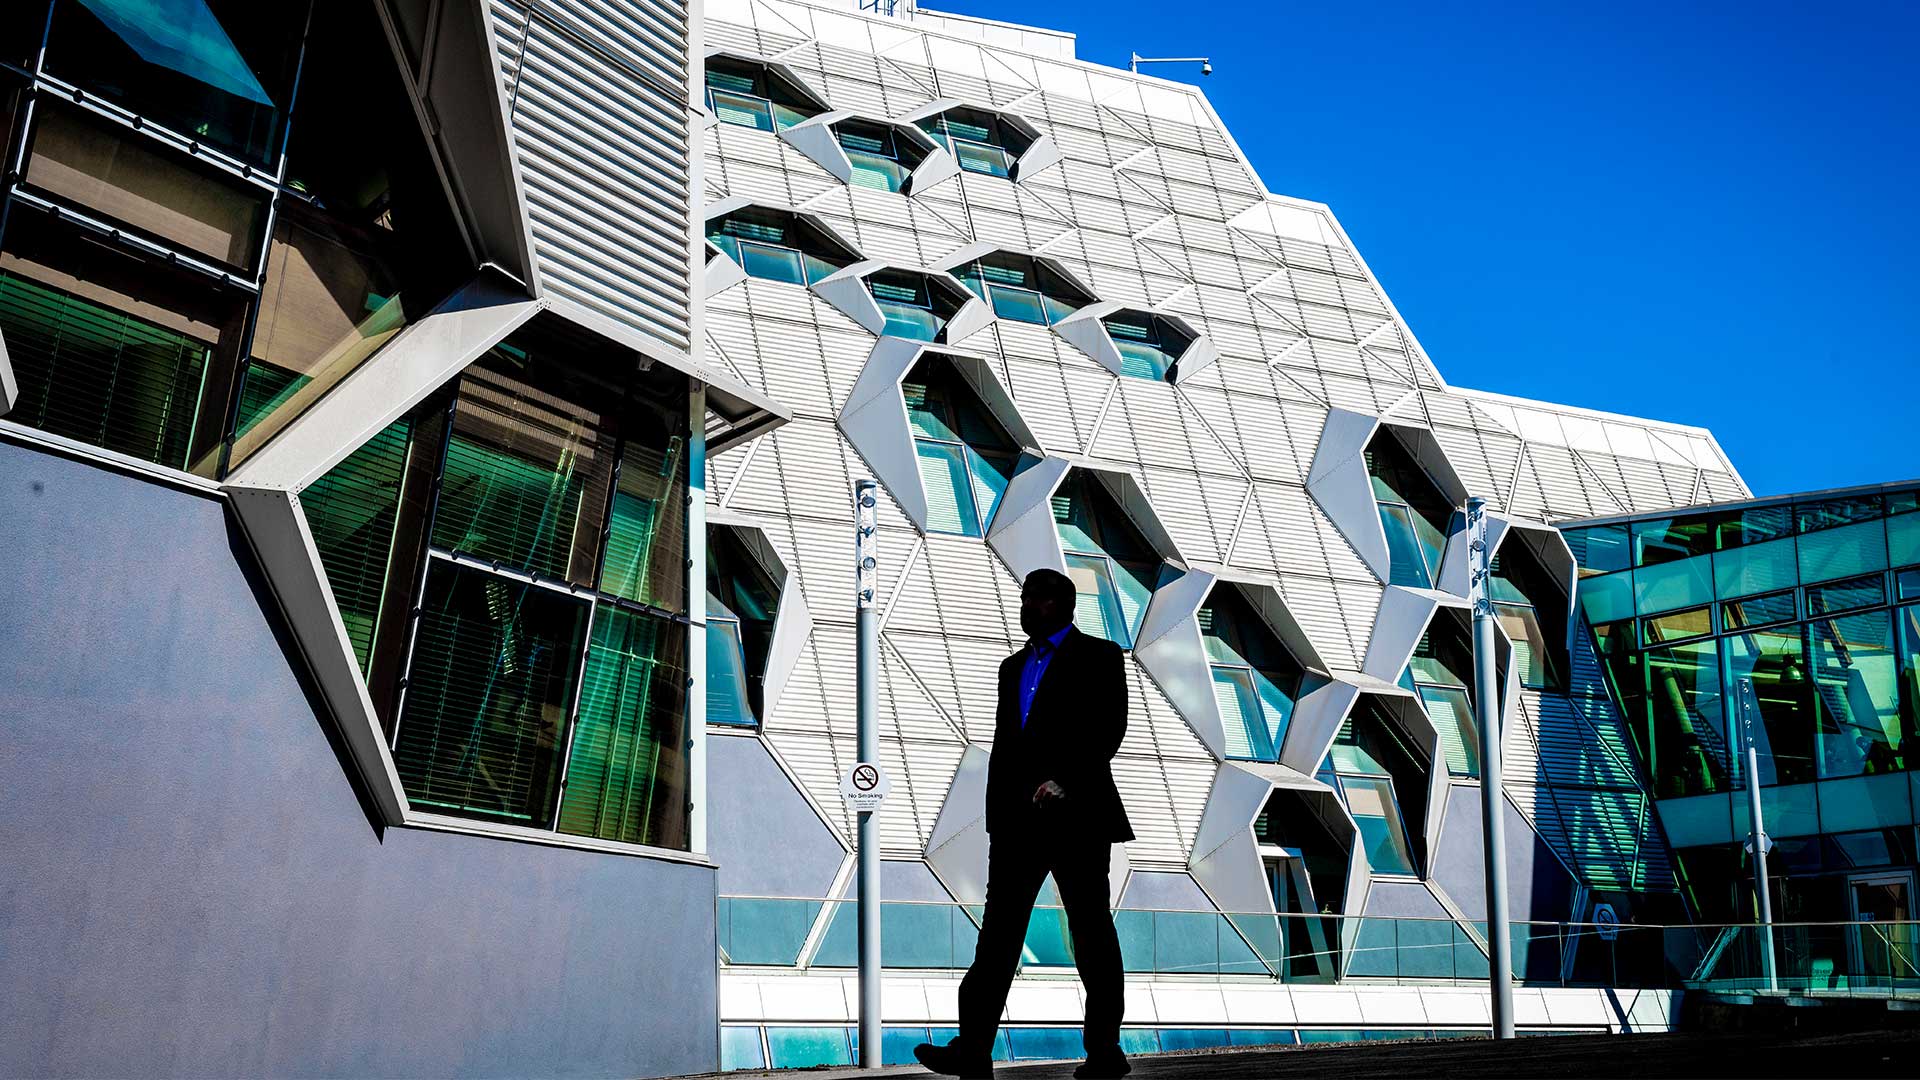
1686	737
1534	654
1776	663
1672	539
772	263
1907	626
740	1048
1855	695
1406	556
991	475
526	479
1677	626
647	531
492	677
1601	549
1020	305
90	373
1096	607
1755	525
805	1047
1756	568
350	512
1452	716
1758	611
1834	513
1909	584
1903	540
627	771
907	321
1665	586
1839	596
974	157
741	109
1607	598
1843	551
1377	814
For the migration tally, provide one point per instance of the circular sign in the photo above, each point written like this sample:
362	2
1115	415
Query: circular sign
1608	920
865	787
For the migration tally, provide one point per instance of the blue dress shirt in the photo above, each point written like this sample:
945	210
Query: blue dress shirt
1039	655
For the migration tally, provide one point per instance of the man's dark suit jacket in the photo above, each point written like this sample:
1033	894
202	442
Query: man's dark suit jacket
1078	718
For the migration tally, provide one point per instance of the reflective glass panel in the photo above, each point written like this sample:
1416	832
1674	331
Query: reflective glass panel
1601	549
647	530
1776	664
1533	654
1758	568
948	487
1672	539
1907	623
907	321
350	512
1855	695
1839	596
974	157
743	110
492	678
1020	305
727	698
1755	525
1452	716
1843	551
1903	540
1688	753
627	768
1377	813
991	474
1758	611
1406	555
772	263
1909	582
219	71
1677	626
1096	608
1248	737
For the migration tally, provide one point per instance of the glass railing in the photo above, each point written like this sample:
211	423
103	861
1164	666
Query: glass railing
1865	958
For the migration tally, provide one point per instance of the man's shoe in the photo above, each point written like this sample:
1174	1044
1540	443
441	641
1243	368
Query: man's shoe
951	1060
1103	1067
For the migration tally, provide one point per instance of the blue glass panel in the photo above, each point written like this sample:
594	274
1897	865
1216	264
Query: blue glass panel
1276	707
806	1047
1756	568
1262	1037
1057	309
1240	713
1135	929
949	489
1406	555
1425	949
1377	813
1096	608
1679	584
896	1043
909	321
772	263
1142	361
1843	552
1375	951
1187	941
1608	598
740	1048
1697	820
1789	810
1862	802
1044	1044
1192	1038
727	700
1903	539
974	157
876	172
818	268
1452	716
989	483
1020	305
765	932
743	110
1139	1041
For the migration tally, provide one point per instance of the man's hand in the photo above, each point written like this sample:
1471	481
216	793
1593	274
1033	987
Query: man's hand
1048	792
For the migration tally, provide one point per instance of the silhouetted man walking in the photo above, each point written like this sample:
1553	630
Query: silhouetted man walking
1051	808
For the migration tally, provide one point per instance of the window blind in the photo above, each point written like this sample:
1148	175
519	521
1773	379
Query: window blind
626	776
350	512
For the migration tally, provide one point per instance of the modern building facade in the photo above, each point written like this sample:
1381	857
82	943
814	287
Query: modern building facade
427	432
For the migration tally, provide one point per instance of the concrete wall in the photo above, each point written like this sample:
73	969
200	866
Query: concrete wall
191	887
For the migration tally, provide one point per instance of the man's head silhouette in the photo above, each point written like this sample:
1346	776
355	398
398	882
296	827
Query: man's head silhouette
1046	603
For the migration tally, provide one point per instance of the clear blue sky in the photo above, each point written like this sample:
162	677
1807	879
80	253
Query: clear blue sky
1703	213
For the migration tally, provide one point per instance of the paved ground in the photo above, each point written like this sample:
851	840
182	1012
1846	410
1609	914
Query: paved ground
1731	1054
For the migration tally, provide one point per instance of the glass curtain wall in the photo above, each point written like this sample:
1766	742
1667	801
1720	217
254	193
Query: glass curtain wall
966	458
1255	679
1113	567
544	652
1412	510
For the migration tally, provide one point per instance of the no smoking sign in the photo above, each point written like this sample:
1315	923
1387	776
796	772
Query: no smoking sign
865	787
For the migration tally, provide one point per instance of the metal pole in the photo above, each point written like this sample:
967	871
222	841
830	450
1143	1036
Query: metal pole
1757	841
1486	702
867	590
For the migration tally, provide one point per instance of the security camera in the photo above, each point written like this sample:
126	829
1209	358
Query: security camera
1206	67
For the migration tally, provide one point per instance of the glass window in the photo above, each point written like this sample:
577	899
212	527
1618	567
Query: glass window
1601	549
1833	513
806	1047
949	489
1855	684
1413	511
1255	678
1675	584
627	773
488	692
1843	551
1755	525
1092	527
350	511
728	700
1839	596
1909	584
1452	715
1606	598
527	474
1097	605
874	152
742	110
1903	540
1775	663
647	529
1677	626
772	263
219	71
120	175
1248	736
974	157
1759	611
1020	305
1757	568
1907	623
740	1048
1533	653
1686	737
1672	539
1377	813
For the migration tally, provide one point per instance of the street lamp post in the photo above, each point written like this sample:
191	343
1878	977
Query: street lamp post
1486	694
867	744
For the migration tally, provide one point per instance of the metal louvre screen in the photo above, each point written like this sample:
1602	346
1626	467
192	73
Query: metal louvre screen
604	133
487	696
627	774
90	373
350	511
